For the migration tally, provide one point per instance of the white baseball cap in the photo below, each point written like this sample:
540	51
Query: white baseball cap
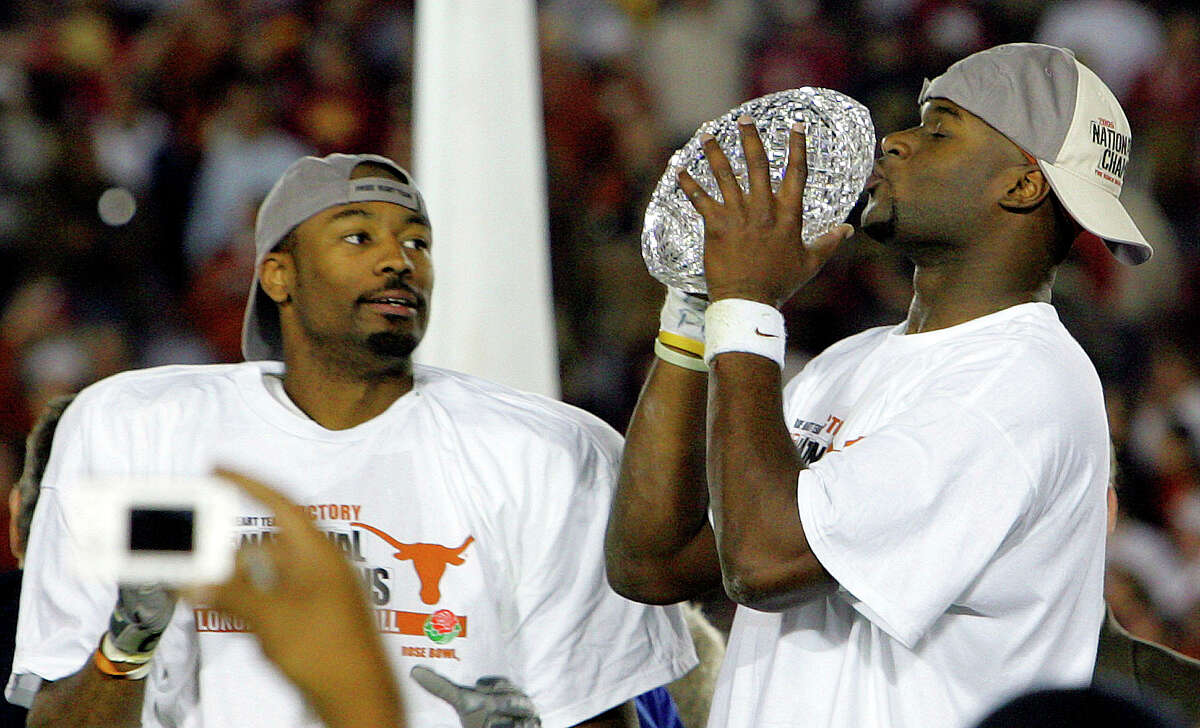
308	186
1058	111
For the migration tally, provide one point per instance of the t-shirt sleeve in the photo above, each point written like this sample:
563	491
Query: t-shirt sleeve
64	611
906	518
581	648
62	615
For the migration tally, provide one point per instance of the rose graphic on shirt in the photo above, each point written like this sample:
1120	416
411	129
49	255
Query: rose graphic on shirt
442	626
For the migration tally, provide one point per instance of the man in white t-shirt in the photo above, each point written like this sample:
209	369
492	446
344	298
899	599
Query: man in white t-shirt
914	526
474	513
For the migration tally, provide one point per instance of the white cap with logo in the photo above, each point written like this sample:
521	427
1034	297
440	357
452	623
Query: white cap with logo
1052	106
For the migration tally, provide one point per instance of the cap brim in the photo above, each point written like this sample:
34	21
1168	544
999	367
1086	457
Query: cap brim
1100	214
255	344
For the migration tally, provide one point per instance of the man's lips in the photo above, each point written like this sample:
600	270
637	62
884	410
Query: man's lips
393	302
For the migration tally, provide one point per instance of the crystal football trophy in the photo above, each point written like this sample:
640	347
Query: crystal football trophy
840	141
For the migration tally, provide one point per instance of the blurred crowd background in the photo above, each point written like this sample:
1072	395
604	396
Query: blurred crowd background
137	138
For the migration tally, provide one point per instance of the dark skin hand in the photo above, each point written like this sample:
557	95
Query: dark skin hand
752	241
660	547
753	251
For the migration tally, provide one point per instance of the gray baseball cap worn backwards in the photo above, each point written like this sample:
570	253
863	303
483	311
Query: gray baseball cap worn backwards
310	185
1061	113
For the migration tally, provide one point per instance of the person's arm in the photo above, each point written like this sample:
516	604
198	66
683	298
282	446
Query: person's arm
88	698
109	689
753	468
659	547
753	252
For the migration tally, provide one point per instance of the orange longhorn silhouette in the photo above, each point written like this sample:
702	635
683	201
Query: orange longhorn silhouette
429	559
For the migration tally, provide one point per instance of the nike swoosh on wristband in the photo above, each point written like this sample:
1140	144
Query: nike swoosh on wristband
769	336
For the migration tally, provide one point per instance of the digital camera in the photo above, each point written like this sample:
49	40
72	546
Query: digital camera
177	530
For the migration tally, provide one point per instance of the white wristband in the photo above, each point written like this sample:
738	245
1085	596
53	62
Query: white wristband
116	654
735	324
681	323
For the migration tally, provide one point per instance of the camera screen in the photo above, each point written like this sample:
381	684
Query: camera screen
158	529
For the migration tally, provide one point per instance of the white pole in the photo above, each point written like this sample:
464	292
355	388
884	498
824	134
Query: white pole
479	159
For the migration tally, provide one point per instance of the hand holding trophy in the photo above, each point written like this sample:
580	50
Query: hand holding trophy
840	141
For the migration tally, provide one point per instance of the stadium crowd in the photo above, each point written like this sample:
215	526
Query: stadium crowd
137	137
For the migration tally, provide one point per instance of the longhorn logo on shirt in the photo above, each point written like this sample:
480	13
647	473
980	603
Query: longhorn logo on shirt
429	559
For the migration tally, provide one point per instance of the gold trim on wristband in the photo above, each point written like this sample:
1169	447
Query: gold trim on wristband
680	341
679	359
108	667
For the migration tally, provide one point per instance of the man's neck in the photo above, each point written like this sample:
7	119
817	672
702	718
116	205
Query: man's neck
338	398
954	292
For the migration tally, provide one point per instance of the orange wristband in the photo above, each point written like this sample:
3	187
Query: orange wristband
108	667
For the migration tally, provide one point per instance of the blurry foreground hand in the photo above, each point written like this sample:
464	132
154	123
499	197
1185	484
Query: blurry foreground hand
303	601
494	702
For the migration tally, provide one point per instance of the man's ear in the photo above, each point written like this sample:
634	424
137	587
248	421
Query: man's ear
276	274
1026	190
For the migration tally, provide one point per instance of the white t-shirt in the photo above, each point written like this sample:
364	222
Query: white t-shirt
475	513
957	494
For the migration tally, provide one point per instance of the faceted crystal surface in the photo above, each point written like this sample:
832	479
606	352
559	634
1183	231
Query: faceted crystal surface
840	140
